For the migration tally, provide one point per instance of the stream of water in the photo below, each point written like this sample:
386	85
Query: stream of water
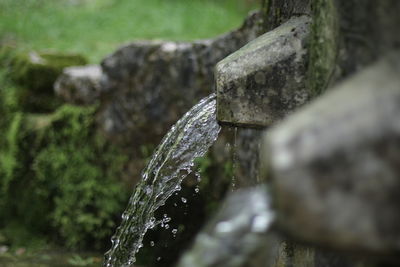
172	161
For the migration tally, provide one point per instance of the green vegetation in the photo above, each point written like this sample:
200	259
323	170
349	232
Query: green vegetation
35	74
96	27
60	180
65	178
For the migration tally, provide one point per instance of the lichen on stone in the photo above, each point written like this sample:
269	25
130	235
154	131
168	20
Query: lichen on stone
323	45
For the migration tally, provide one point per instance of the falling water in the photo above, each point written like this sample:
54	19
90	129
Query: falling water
172	161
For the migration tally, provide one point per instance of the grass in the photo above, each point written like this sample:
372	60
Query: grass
97	27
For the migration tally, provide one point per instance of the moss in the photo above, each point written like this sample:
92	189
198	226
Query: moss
35	74
60	178
323	45
38	70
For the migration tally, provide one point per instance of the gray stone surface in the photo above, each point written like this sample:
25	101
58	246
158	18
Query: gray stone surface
265	80
335	165
79	85
348	35
150	84
235	235
246	157
278	12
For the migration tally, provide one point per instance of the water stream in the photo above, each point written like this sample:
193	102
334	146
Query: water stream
172	161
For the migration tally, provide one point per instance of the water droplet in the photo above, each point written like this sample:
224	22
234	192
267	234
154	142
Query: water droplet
166	226
159	258
178	187
151	243
184	200
198	176
149	190
125	216
174	231
197	190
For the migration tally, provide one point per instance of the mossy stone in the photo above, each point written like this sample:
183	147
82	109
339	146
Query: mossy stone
324	45
69	175
35	74
38	70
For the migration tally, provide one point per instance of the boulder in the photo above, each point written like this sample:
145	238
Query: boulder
79	85
39	70
334	165
35	74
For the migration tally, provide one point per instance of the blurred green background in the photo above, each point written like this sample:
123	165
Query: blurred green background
96	27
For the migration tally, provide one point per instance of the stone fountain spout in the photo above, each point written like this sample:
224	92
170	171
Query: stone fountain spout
265	80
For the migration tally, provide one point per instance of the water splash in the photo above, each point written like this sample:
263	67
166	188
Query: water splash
172	161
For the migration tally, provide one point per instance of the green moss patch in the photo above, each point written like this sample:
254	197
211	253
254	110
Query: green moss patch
59	178
323	45
35	73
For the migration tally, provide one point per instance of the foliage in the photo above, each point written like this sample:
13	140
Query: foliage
60	177
96	27
35	74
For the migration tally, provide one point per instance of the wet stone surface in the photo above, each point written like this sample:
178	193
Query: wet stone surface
235	233
265	80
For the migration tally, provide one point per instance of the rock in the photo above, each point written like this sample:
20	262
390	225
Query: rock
335	165
348	35
277	12
39	70
265	80
150	84
35	74
246	157
79	85
235	233
241	234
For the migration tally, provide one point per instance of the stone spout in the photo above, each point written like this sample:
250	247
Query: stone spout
264	80
334	166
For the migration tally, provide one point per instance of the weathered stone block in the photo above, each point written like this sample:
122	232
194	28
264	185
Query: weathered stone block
265	80
236	234
35	73
335	165
79	85
38	71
